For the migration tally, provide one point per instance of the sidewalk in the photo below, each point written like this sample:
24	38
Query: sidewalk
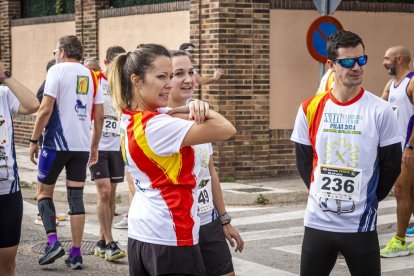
280	190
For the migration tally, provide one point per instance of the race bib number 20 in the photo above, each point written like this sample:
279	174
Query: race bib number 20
338	183
111	124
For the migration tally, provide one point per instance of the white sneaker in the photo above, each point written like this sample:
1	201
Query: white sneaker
39	221
123	224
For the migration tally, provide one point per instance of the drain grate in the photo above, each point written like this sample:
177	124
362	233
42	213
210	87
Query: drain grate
252	190
87	247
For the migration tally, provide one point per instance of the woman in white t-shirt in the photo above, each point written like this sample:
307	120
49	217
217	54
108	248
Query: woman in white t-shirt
215	224
163	223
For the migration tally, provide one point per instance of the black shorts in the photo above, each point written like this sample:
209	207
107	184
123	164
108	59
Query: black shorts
11	215
155	259
110	165
214	249
51	164
320	251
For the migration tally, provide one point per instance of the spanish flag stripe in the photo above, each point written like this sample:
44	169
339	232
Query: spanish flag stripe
166	176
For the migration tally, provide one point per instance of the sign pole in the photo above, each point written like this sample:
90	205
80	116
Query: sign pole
324	11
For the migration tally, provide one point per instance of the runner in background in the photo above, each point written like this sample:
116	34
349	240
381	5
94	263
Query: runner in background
109	171
214	220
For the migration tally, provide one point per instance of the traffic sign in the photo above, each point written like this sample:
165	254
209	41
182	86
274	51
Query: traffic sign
326	7
318	34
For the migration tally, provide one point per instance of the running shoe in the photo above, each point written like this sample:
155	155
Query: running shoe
100	249
39	221
113	252
52	252
123	224
74	262
411	248
410	232
395	248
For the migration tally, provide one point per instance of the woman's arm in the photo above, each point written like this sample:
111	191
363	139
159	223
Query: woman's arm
229	231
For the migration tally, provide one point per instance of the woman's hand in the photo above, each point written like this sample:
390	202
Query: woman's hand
198	111
233	235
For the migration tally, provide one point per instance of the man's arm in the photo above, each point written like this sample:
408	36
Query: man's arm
218	72
304	157
390	168
26	98
43	116
98	119
408	154
386	92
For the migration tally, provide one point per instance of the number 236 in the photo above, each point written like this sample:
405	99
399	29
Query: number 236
347	185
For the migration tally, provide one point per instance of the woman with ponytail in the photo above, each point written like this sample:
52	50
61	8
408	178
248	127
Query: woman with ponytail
163	223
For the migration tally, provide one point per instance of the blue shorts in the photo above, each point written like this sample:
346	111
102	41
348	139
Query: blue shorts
409	129
51	164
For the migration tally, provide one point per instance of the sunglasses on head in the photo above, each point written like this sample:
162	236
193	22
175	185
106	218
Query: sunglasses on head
350	62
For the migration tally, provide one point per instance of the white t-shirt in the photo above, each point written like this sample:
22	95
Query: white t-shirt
164	208
206	208
345	138
110	132
9	177
401	103
74	88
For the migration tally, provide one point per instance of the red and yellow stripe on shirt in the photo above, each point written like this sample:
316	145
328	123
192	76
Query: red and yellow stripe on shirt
313	109
171	175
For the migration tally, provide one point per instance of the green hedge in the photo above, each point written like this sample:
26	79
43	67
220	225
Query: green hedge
36	8
128	3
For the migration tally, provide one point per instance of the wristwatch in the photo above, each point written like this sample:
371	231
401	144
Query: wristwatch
408	146
225	218
6	75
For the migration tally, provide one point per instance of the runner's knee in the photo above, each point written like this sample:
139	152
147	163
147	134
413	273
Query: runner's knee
75	200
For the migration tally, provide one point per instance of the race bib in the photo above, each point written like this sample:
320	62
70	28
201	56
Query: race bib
338	183
111	124
205	195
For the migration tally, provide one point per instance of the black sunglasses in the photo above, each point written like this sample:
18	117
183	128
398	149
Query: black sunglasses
350	62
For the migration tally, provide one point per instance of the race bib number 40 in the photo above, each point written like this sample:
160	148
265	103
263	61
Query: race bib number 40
338	183
111	124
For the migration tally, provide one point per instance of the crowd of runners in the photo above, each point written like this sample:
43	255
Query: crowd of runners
136	118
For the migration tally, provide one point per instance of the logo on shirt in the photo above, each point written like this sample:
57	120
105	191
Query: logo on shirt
83	85
81	110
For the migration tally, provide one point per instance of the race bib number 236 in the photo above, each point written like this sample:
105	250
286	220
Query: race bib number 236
338	183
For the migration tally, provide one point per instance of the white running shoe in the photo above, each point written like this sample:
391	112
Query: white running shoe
123	224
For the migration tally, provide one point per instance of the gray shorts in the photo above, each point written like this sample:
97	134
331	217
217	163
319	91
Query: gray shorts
214	249
155	259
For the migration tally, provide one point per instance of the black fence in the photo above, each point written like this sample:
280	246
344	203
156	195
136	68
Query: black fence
38	8
128	3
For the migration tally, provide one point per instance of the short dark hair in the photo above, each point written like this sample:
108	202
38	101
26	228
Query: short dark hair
177	53
184	46
112	52
342	39
72	46
50	64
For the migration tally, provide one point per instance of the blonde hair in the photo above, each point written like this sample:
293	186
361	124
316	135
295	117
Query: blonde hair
127	64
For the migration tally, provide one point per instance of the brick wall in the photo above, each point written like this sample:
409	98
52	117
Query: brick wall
9	9
23	128
235	36
86	21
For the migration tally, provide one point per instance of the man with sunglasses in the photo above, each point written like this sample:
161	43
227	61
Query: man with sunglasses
71	97
347	153
399	92
189	49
